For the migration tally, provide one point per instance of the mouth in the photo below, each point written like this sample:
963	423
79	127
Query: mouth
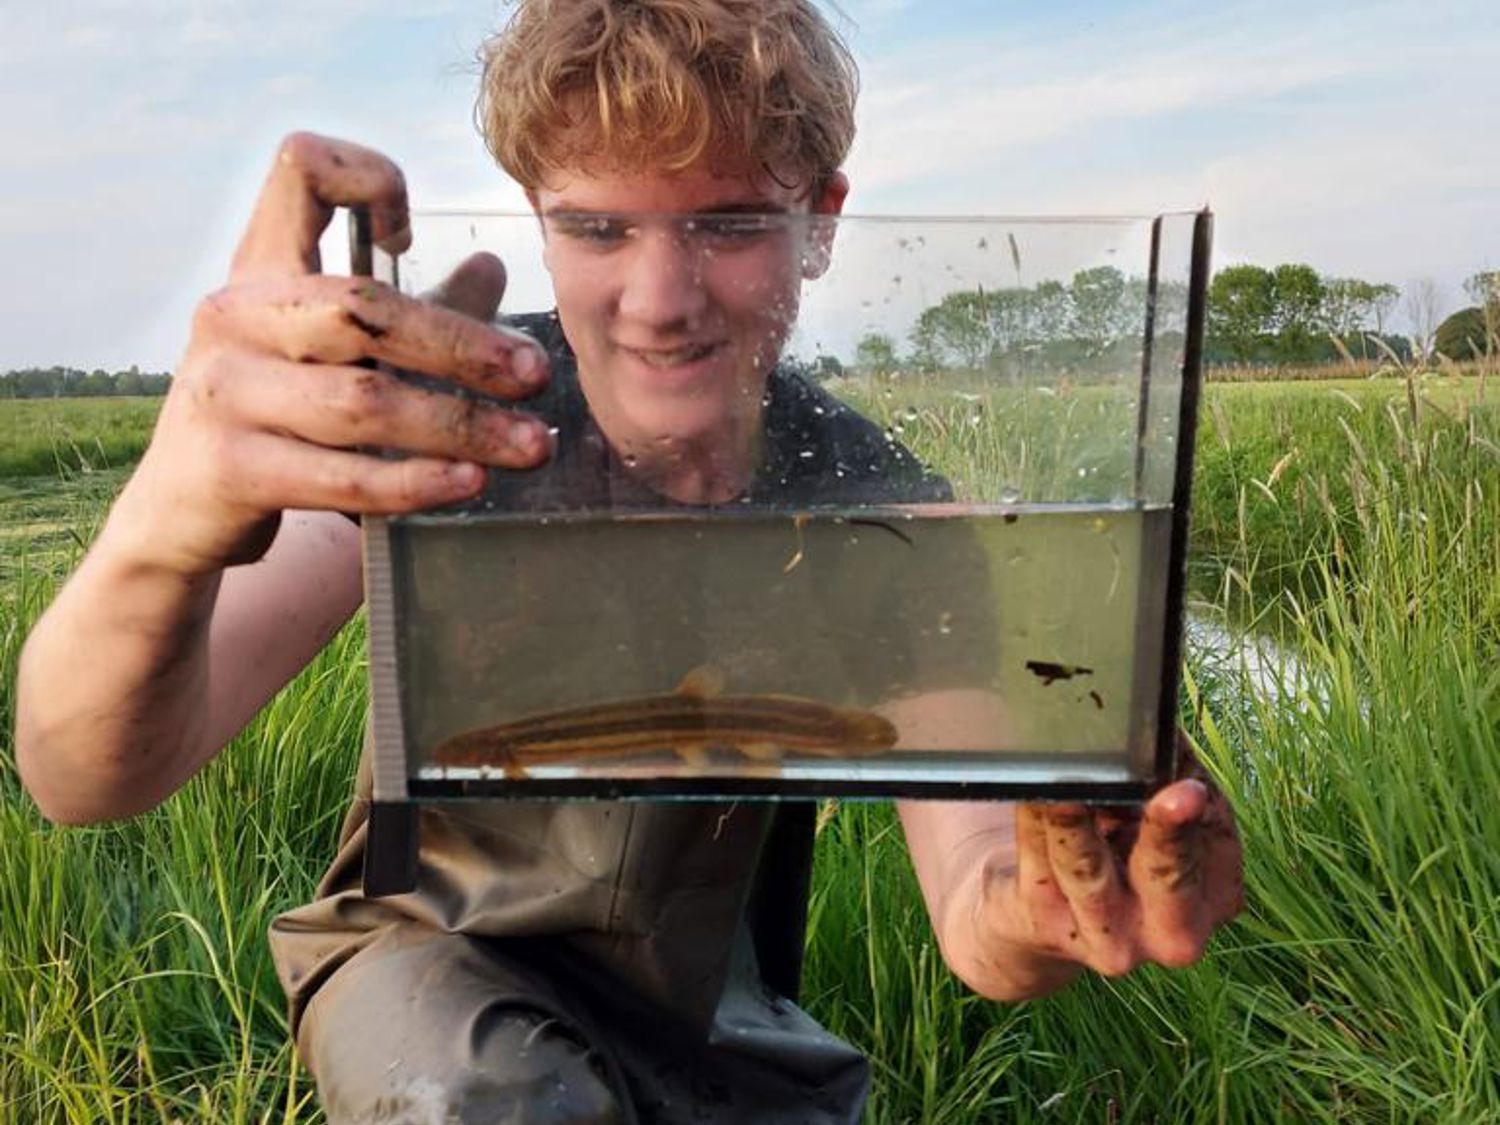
671	359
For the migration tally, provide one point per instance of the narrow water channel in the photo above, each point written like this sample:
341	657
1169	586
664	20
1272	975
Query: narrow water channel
1273	672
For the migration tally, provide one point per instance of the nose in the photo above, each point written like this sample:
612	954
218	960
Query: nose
663	283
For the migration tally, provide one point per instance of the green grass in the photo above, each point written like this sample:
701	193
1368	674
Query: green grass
67	435
1362	983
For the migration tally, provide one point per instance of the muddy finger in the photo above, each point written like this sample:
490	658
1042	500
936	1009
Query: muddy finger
309	177
344	321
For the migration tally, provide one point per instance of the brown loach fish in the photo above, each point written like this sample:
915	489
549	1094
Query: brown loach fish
690	721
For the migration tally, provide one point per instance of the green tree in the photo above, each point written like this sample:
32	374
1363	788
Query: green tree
1343	309
1100	310
1464	335
1296	314
875	354
1484	288
1052	306
1241	300
1353	309
954	332
1297	299
1383	298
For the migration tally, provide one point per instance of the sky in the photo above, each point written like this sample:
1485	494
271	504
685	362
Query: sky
1358	137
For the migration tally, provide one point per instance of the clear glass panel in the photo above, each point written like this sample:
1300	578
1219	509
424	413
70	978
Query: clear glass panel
834	503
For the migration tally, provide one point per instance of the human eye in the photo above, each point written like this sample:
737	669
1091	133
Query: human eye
601	231
733	229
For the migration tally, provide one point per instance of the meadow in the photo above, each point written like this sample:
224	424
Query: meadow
1354	526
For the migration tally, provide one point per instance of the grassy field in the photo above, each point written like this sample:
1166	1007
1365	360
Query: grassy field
1356	524
67	436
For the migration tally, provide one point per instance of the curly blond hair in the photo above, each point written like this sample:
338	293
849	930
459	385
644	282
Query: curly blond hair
661	84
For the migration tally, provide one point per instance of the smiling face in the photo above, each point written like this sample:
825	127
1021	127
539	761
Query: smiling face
677	292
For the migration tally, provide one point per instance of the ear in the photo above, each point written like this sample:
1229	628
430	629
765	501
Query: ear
827	205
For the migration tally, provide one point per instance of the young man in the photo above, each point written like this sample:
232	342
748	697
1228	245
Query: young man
557	962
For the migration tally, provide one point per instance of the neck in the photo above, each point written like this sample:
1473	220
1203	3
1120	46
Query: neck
706	471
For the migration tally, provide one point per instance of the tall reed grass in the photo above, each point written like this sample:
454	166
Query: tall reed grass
1362	984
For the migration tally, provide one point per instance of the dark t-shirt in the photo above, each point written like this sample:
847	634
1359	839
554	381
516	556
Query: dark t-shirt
818	451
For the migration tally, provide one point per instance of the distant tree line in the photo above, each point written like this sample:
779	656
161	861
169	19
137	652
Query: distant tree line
1051	326
1288	314
1291	314
70	382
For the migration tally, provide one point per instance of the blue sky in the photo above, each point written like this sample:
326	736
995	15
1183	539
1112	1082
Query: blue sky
1358	137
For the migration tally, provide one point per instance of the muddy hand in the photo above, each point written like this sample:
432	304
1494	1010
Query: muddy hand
272	400
1112	889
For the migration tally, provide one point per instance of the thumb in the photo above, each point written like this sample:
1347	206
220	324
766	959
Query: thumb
474	288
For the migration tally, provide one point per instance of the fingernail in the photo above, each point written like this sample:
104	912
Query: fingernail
465	475
526	364
537	440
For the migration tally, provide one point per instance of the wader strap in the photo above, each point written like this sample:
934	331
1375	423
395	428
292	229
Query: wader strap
778	900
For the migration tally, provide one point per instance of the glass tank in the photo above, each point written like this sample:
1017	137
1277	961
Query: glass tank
864	506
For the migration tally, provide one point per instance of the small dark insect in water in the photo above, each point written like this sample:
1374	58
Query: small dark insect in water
1098	700
1049	673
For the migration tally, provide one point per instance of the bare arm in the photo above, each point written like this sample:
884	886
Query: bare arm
959	849
223	566
136	676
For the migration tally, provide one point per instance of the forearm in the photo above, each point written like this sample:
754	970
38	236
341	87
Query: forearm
965	858
998	969
111	691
